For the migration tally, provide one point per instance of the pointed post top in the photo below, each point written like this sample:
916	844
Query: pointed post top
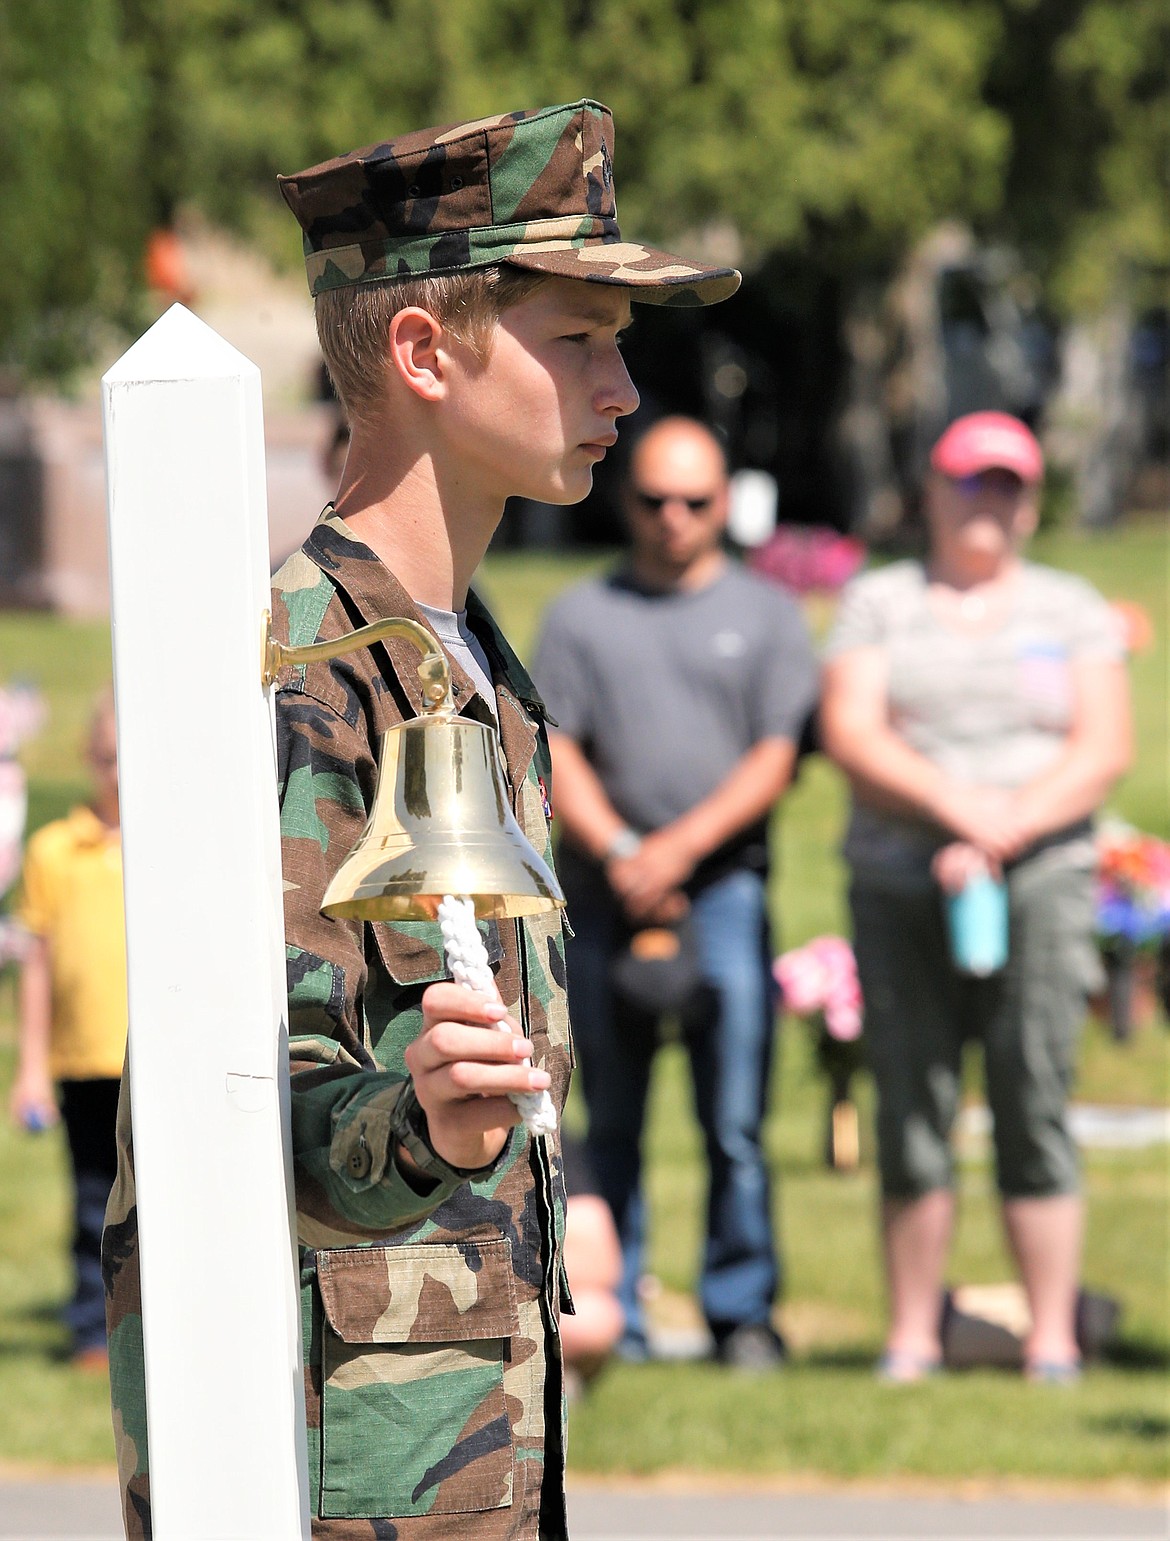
179	347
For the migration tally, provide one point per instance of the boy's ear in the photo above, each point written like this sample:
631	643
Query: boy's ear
414	352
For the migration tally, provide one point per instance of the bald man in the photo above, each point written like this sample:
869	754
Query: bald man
680	684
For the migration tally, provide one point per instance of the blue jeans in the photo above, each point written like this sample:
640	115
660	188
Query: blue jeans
729	1034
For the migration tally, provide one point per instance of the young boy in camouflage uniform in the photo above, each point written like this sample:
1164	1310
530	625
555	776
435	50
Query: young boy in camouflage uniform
470	286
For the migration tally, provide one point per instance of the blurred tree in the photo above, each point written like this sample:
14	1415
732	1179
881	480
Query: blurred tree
72	218
841	128
775	118
1085	87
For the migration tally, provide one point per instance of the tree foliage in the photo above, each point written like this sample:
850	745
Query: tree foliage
1083	85
72	222
841	127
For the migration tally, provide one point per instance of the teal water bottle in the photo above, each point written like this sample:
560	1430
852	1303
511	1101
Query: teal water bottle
977	917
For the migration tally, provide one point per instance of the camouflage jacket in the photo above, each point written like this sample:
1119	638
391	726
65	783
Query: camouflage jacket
433	1374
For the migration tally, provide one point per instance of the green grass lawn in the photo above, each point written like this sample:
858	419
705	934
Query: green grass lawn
825	1414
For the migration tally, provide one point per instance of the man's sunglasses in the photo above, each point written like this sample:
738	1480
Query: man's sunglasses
654	503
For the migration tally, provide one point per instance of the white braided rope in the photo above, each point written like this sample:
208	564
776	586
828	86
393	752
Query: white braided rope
468	961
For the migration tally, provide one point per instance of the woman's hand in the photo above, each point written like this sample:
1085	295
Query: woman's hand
988	818
954	865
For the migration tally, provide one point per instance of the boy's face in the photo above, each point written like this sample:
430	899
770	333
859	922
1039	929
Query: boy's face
536	418
102	755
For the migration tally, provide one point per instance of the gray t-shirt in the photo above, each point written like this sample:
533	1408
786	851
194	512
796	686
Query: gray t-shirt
665	692
452	630
990	707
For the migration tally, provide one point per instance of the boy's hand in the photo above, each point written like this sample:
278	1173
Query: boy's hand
463	1068
32	1103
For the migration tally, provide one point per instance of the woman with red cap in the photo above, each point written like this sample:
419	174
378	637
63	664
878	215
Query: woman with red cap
978	705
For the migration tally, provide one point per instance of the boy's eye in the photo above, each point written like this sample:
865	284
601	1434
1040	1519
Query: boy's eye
598	334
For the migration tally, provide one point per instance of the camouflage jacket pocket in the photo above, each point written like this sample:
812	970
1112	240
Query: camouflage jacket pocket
413	1415
411	951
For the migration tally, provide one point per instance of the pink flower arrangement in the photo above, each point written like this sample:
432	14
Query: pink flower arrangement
22	713
808	559
821	977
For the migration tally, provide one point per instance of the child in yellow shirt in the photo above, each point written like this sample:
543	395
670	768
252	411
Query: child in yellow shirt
73	1010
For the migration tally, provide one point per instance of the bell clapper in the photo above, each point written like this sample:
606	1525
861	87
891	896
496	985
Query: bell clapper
468	961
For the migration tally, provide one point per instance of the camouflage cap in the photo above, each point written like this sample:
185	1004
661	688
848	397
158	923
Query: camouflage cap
534	189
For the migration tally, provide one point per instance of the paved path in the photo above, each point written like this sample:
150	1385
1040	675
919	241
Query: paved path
88	1511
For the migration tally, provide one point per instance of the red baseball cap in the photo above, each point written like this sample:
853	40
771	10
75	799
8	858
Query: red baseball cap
985	441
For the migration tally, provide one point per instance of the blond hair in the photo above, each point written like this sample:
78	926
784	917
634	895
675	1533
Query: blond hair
352	323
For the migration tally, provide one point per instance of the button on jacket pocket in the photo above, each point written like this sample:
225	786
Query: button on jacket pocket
413	1417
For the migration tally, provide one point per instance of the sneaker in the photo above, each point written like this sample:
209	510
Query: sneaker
1053	1372
634	1348
897	1368
754	1348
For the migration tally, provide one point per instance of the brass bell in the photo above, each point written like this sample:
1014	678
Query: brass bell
441	822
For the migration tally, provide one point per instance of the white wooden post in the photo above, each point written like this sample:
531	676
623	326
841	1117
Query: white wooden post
208	1005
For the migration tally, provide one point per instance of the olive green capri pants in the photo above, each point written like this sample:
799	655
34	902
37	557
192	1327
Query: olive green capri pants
920	1010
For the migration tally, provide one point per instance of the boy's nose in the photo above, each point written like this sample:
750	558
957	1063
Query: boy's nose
620	395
